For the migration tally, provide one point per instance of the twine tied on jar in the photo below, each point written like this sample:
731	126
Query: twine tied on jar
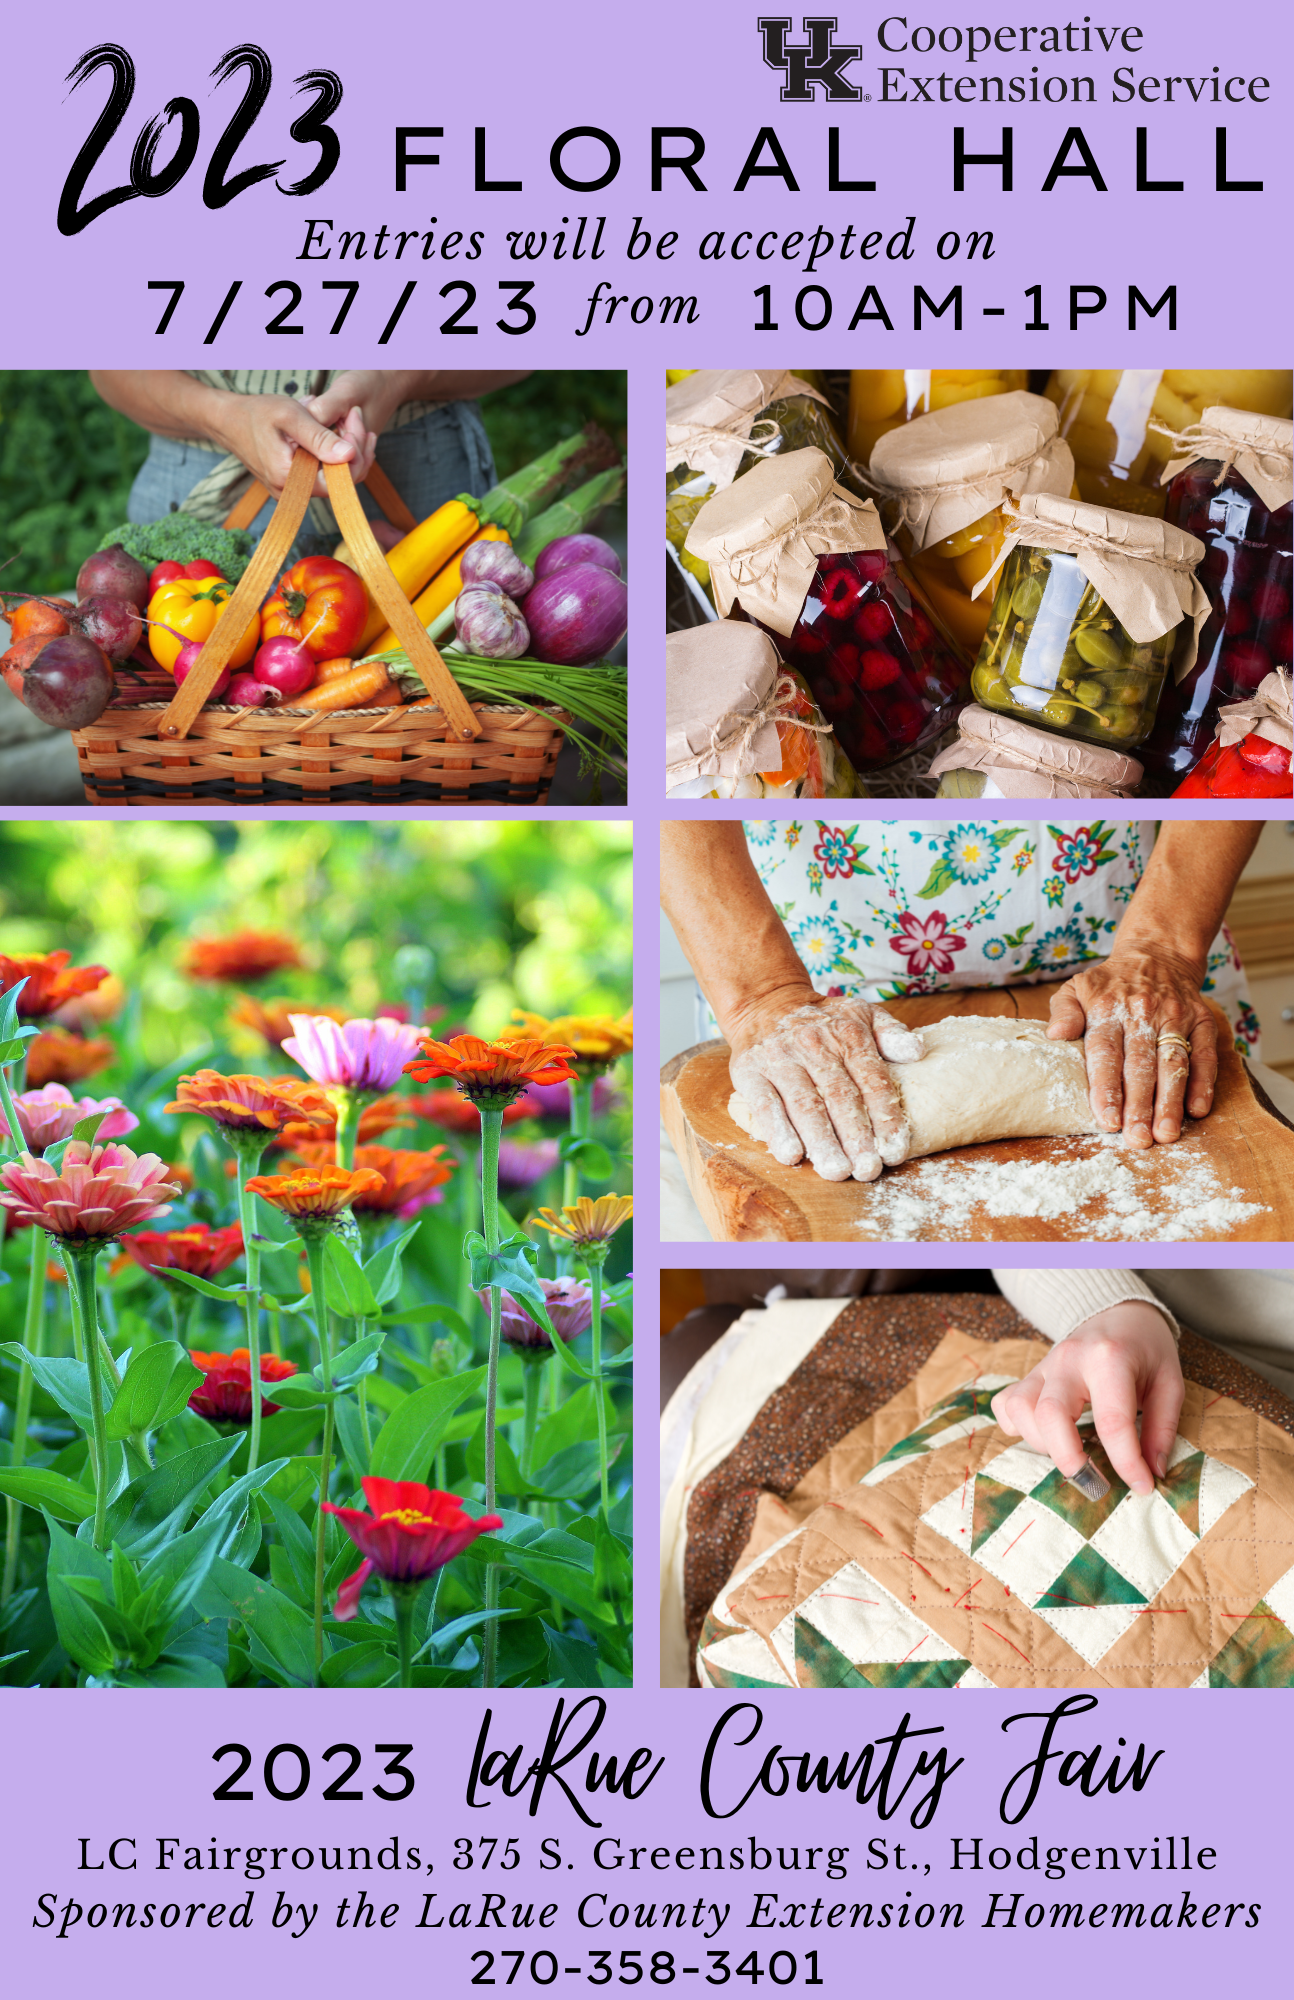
1269	713
1259	448
777	707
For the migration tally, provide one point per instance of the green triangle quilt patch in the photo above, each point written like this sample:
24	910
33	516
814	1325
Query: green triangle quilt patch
1088	1580
1259	1653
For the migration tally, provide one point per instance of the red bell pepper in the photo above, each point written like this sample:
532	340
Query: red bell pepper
319	603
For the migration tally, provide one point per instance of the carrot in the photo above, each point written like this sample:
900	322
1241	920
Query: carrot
357	689
331	670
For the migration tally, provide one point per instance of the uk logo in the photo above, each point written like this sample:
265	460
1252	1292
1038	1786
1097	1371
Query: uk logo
820	60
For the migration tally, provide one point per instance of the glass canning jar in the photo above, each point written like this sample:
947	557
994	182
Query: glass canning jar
1247	574
882	398
1055	654
873	660
1115	420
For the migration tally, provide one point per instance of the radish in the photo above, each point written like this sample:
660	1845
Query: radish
187	659
245	691
285	666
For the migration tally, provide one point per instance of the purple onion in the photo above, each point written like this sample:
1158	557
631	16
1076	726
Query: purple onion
568	550
496	563
489	624
576	615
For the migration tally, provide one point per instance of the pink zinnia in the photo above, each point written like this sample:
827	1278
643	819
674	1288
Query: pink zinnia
351	1055
569	1305
48	1115
99	1191
521	1166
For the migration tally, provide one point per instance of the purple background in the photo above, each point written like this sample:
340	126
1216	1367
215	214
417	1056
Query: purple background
72	1768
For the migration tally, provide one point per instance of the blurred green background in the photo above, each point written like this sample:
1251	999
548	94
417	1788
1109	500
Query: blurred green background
517	914
67	461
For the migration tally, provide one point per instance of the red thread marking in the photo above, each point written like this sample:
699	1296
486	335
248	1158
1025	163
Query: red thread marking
773	1597
841	1508
1253	1614
1212	1400
920	1642
1019	1538
966	1593
920	1566
1006	1642
1162	1611
845	1598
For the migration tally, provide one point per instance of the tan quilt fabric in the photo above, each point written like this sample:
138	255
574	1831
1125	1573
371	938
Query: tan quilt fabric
928	1549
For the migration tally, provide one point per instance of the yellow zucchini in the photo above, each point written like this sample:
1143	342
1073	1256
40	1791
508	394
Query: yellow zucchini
416	560
442	590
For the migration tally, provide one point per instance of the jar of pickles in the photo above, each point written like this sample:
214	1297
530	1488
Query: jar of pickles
1230	484
1121	421
796	553
998	757
941	483
739	724
880	399
719	422
1092	610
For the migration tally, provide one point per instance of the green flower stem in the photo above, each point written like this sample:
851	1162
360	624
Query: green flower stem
81	1261
469	1220
491	1133
402	1601
319	1297
276	1329
350	1103
33	1339
531	1383
593	1260
248	1159
361	1396
581	1122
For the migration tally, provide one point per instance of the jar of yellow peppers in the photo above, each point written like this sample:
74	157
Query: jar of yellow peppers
941	483
1120	422
880	399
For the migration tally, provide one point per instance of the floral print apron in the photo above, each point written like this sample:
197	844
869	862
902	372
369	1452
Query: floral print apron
892	907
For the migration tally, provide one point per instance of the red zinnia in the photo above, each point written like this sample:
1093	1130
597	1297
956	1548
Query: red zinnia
447	1108
411	1533
49	983
200	1250
242	958
225	1393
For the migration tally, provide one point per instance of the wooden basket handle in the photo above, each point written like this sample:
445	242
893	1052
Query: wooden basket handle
244	511
395	606
245	603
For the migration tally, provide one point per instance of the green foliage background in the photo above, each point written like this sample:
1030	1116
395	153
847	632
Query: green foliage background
67	461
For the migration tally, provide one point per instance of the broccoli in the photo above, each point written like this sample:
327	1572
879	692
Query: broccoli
179	538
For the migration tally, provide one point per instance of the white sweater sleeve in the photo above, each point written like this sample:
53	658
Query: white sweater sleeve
1058	1302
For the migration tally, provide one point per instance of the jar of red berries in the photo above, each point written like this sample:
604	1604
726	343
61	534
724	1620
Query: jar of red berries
809	562
1230	485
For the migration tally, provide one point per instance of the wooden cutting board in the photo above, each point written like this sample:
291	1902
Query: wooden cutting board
745	1196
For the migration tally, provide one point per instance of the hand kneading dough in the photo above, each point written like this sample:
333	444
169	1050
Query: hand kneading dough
985	1078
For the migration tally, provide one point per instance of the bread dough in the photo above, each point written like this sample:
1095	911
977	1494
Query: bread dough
984	1078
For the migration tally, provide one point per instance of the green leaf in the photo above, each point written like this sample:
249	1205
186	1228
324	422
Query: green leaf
572	1662
458	1629
513	1266
67	1381
152	1510
350	1430
299	1392
208	1290
349	1291
366	1666
507	1472
80	1629
574	1420
173	1577
296	1544
383	1268
156	1386
567	1582
37	1487
436	1315
573	1471
88	1128
280	1632
407	1441
592	1159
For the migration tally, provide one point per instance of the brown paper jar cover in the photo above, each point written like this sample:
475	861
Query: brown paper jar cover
1028	763
762	535
1260	449
715	675
709	415
943	471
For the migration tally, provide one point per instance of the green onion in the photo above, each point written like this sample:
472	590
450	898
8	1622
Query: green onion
598	695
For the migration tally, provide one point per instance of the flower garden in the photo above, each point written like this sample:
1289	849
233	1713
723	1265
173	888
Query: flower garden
316	1327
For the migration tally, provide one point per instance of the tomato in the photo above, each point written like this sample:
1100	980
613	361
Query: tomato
167	572
321	604
187	608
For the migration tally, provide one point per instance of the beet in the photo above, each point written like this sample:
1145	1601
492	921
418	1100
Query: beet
113	573
112	624
69	683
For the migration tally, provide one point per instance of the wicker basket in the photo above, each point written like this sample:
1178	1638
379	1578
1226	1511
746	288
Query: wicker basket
152	753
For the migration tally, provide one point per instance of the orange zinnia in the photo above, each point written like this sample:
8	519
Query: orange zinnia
587	1222
244	956
597	1040
491	1074
203	1251
381	1116
408	1179
269	1018
55	1056
253	1104
315	1194
49	983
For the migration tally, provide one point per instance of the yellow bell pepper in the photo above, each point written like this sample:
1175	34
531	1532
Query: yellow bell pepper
185	610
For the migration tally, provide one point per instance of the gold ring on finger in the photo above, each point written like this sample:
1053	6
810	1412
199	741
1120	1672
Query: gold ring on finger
1175	1041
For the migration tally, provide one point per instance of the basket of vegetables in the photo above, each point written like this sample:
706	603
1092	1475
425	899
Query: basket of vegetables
226	678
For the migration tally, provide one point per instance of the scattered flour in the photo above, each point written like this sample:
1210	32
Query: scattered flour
1170	1195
